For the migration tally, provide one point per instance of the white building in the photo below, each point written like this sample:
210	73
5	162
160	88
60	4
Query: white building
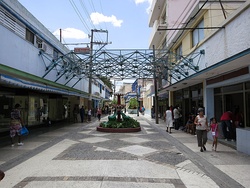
209	57
38	71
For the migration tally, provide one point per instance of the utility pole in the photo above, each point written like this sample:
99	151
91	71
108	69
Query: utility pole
137	97
90	70
91	61
156	92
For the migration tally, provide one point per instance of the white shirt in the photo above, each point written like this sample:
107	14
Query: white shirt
176	113
202	121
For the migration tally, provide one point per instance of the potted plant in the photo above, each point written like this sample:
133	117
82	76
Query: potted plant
133	105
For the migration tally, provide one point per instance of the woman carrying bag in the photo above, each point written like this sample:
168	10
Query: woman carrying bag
16	125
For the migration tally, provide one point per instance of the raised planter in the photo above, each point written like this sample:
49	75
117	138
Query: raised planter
132	111
118	130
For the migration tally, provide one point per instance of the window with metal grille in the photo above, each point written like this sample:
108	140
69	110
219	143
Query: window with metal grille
11	23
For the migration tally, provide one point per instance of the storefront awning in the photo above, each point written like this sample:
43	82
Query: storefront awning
20	83
230	64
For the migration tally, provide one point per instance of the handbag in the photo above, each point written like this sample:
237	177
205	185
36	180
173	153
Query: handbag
24	131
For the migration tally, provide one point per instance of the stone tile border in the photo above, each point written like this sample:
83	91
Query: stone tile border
176	182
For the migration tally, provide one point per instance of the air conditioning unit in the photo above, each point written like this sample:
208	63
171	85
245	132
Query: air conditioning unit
42	46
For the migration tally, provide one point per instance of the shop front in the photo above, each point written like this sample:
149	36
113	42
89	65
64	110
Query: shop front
188	99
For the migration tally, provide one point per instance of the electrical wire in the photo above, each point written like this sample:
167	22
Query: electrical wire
86	11
79	15
192	18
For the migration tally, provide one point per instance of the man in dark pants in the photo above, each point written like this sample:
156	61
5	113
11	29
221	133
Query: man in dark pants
176	118
82	113
226	124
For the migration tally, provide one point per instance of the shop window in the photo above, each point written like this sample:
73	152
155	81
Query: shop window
237	87
217	90
29	36
186	94
218	106
198	33
247	123
247	85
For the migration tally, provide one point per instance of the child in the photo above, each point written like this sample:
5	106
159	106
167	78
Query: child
215	132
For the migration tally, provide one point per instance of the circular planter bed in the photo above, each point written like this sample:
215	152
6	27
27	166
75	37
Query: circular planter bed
118	130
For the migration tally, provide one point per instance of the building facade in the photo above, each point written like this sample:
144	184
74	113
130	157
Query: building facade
38	71
209	59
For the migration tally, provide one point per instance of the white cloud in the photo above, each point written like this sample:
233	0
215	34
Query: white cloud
71	33
137	2
140	1
98	18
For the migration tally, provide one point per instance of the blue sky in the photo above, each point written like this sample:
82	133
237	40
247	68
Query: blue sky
125	20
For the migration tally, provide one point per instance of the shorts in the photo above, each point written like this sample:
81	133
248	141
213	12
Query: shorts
15	130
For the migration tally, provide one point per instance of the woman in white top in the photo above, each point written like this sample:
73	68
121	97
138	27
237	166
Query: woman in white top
169	119
201	129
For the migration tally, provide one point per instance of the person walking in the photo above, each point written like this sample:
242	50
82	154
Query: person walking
201	129
16	125
89	115
99	113
226	124
82	113
169	119
215	132
75	112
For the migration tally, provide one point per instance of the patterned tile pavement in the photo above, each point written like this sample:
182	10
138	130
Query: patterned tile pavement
79	156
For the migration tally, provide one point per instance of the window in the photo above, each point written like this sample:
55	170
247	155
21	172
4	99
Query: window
29	36
179	52
198	33
10	22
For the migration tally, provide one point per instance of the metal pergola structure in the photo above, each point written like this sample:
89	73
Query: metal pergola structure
123	64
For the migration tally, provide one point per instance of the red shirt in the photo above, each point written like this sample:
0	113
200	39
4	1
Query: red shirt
226	116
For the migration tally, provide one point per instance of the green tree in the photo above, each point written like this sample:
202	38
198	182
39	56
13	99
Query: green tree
133	103
106	81
114	101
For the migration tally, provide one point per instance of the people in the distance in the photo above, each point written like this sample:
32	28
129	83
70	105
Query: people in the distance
201	129
16	125
82	113
75	112
177	116
99	113
215	132
89	115
169	119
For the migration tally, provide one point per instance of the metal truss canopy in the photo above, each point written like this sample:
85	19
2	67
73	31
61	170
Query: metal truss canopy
122	64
